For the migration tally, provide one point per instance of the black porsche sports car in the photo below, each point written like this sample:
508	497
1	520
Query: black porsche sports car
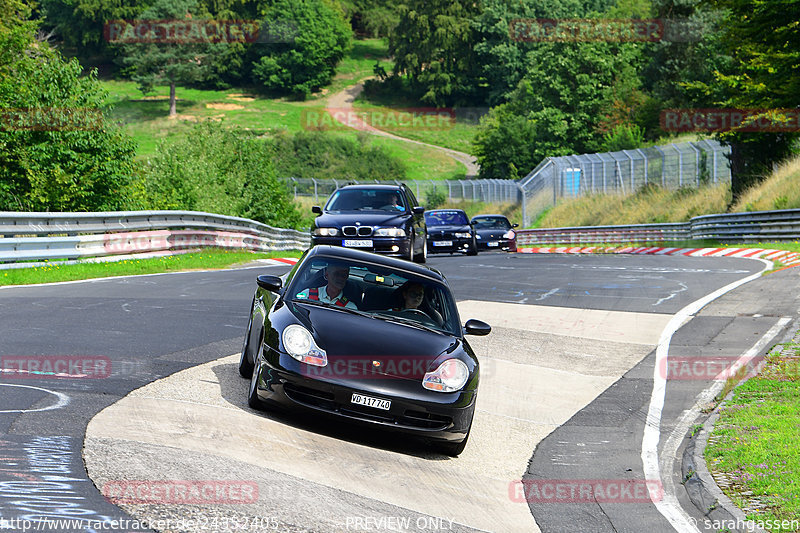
495	232
367	338
449	231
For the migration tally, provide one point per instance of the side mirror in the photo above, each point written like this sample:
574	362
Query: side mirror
514	225
477	327
316	209
269	283
418	210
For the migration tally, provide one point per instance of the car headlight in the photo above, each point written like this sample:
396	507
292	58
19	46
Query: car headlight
478	236
462	235
449	377
390	232
326	232
509	234
298	342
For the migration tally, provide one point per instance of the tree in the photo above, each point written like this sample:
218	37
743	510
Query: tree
58	151
173	60
433	45
762	39
558	106
319	39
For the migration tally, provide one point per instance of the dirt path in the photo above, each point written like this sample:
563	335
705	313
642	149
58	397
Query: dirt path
340	103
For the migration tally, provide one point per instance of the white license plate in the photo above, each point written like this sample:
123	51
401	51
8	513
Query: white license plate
493	243
369	401
357	243
443	243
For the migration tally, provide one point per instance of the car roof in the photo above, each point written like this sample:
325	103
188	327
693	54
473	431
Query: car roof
383	186
444	210
339	252
493	216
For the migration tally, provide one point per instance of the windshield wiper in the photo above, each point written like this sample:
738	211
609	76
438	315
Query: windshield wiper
407	322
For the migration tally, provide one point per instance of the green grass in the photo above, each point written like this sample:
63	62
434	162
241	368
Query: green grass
206	260
449	132
359	64
145	117
754	444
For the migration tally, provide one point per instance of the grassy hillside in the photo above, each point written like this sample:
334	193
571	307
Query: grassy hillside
145	116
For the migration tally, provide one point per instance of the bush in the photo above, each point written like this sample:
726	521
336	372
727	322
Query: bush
58	151
221	171
623	137
435	198
324	155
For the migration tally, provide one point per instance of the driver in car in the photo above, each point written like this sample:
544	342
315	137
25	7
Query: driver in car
331	293
413	294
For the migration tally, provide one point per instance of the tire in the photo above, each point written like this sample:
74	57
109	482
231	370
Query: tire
245	361
453	449
252	392
473	250
410	256
421	258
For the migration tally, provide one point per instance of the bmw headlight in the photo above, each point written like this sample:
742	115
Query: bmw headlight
451	376
326	232
298	342
390	232
462	235
509	234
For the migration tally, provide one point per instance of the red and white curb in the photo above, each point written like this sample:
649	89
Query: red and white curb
784	256
278	261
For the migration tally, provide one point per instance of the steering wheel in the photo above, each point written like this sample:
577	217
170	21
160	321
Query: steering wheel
416	312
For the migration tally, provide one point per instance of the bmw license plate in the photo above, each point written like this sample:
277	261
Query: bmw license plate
357	243
493	243
369	401
443	243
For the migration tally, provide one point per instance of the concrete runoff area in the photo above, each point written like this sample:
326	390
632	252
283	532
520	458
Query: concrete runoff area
169	428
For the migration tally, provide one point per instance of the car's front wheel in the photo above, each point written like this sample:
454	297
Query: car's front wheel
473	249
421	258
252	393
245	361
454	449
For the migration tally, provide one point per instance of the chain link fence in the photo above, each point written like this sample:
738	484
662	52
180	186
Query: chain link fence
670	166
497	191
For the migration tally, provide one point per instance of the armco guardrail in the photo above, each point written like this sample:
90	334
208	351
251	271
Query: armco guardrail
31	237
757	226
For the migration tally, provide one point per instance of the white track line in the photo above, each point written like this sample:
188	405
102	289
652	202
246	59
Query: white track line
667	504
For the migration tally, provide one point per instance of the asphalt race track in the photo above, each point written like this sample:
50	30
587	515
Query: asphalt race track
567	395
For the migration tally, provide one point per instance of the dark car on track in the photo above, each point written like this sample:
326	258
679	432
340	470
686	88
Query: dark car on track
385	219
450	231
365	338
495	232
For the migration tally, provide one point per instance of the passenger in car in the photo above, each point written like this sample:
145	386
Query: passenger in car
412	297
336	277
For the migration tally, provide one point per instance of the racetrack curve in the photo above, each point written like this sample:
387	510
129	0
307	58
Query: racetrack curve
566	330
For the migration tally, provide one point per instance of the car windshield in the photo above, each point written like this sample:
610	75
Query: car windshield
376	291
446	218
491	223
366	200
